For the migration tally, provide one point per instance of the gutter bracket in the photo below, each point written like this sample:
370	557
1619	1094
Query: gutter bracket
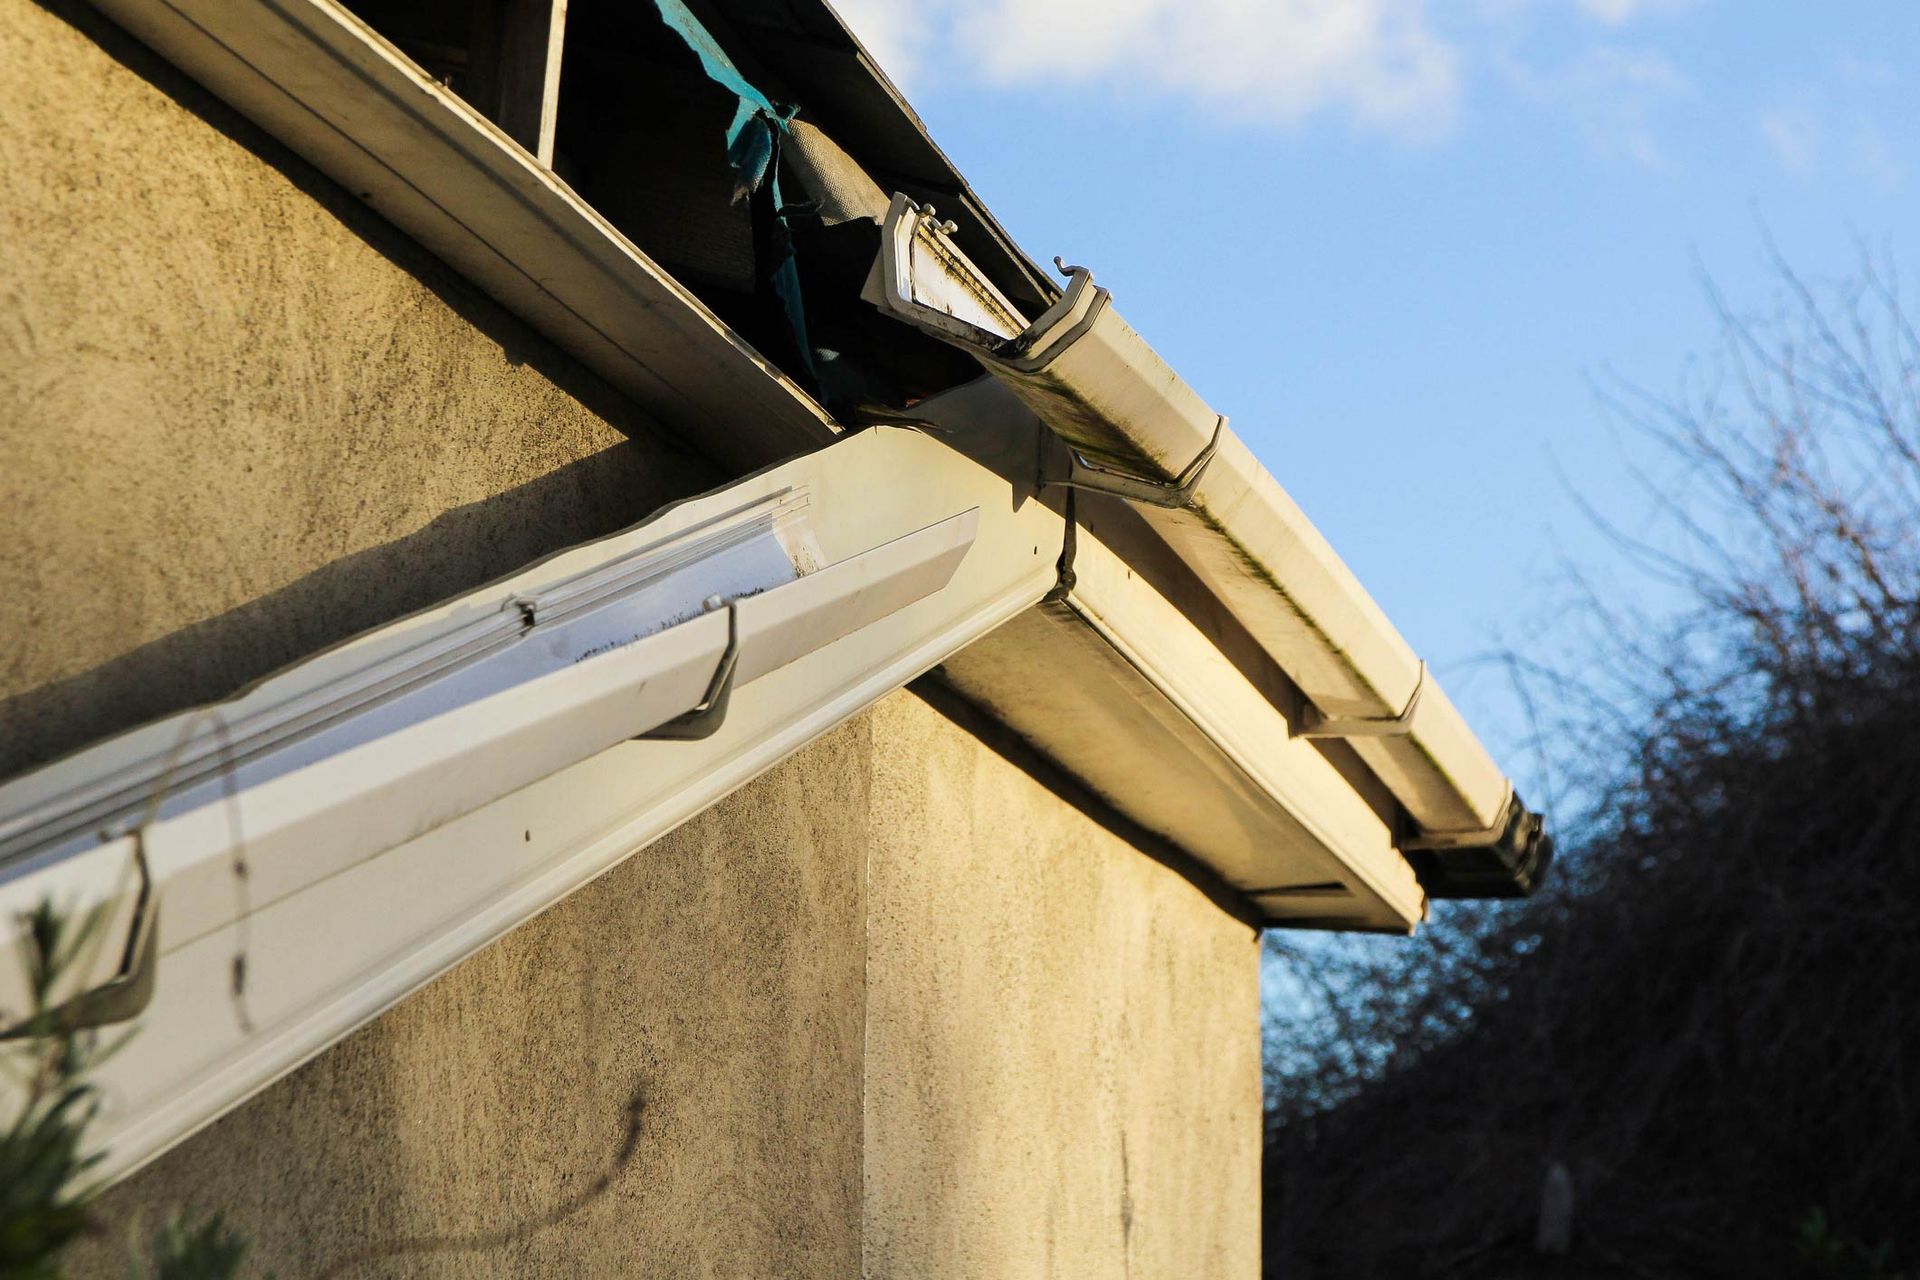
704	719
1064	583
125	995
1314	724
1175	494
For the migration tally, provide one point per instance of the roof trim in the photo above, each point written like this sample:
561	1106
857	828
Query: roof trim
314	76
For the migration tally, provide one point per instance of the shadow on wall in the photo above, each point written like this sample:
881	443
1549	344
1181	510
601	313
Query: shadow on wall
215	658
1064	787
213	384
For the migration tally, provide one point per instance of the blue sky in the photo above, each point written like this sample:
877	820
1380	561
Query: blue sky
1394	240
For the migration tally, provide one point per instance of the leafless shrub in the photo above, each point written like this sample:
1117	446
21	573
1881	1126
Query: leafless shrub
1711	1021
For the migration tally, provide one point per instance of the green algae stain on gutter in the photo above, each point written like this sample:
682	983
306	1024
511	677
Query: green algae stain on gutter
1259	572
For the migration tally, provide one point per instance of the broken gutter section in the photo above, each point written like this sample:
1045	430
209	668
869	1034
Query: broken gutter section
1133	428
919	271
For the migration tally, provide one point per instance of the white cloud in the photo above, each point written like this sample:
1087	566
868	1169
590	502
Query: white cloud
1617	13
1385	66
1832	127
894	32
1379	63
1794	137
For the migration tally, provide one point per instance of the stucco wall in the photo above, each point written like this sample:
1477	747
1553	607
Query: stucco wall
241	417
1062	1054
903	1007
907	1004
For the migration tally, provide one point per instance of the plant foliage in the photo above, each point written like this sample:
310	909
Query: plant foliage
1709	1026
45	1195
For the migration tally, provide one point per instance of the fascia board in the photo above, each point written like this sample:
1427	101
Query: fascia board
317	78
1118	688
1237	720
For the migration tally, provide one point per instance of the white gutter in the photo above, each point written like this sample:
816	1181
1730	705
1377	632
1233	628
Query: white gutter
1134	429
351	753
359	822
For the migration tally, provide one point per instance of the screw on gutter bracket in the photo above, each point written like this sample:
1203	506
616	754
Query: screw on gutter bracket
706	717
1314	724
929	216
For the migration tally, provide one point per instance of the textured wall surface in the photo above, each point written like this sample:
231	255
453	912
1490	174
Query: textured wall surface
903	1006
241	417
899	1008
1063	1061
716	977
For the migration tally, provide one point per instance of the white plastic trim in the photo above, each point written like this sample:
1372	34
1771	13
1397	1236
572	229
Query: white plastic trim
372	869
319	79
